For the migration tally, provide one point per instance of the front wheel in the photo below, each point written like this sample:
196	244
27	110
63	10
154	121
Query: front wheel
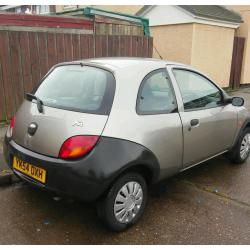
125	202
241	150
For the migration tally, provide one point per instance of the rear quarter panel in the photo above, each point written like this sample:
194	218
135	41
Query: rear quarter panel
161	133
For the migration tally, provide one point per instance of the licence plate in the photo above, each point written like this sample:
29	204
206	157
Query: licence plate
29	170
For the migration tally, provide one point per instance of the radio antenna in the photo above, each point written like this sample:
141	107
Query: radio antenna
158	52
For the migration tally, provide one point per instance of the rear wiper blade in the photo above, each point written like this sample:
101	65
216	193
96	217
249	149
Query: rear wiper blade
39	102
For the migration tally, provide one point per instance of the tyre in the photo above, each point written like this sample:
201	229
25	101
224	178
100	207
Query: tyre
124	203
241	150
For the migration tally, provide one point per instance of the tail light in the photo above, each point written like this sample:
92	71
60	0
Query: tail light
12	124
77	146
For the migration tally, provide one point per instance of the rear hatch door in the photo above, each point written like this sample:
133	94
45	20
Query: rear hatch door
76	101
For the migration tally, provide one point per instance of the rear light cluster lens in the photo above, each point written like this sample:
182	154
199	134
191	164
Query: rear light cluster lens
77	146
12	125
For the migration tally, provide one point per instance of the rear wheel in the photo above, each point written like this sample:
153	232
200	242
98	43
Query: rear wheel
241	150
125	202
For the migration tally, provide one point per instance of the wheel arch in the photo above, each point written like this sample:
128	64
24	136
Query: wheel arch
245	125
149	173
123	156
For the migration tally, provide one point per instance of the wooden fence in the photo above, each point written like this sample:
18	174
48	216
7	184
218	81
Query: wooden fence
26	56
236	65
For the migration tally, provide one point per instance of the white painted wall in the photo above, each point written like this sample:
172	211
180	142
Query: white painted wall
167	14
171	14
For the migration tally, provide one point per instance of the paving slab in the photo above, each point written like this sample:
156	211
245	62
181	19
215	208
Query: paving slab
209	204
183	214
222	178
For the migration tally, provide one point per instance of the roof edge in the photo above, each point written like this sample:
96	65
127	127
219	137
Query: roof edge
211	17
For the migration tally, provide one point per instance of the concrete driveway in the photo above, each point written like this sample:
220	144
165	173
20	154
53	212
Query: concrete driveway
209	204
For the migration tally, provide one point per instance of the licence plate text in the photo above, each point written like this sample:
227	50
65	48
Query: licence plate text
29	169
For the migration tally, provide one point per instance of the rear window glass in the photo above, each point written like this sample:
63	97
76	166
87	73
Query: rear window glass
78	88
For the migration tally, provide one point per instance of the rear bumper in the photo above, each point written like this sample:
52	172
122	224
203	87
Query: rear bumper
71	178
88	178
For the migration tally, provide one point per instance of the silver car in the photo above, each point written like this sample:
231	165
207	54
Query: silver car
105	130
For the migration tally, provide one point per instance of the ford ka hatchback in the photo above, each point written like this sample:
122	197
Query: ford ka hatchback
104	130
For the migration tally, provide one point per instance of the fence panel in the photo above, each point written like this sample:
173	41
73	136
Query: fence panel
68	47
237	59
84	46
26	56
34	59
60	46
6	73
52	54
43	53
2	100
16	73
25	61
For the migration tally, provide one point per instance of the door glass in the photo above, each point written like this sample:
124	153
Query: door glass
156	94
197	91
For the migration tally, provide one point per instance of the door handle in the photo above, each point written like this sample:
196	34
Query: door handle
193	124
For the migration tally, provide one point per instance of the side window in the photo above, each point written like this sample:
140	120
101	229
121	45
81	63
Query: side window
197	91
156	95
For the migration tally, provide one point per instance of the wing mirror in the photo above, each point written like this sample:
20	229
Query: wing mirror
237	101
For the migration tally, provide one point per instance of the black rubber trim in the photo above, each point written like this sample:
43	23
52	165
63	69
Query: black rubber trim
88	178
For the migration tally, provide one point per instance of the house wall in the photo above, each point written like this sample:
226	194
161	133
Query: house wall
173	42
244	31
207	48
245	74
59	8
167	14
212	49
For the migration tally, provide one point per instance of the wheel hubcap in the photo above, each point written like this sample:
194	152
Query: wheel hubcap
128	202
245	147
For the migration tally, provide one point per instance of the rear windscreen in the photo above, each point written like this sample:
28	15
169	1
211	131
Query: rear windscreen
78	88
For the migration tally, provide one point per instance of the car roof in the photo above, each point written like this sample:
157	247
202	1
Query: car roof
116	63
